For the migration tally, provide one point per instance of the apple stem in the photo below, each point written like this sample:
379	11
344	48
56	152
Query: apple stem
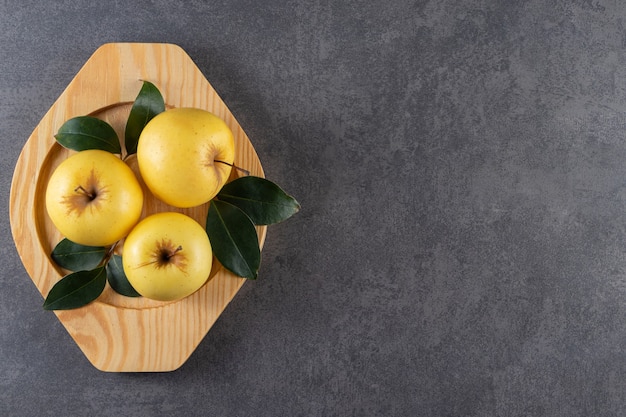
82	190
245	171
162	257
178	249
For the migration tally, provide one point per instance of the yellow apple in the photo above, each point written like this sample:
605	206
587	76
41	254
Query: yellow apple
185	156
167	256
94	198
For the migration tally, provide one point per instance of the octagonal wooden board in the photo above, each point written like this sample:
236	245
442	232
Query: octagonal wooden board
117	333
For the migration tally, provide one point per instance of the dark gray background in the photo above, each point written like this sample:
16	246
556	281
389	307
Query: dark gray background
461	167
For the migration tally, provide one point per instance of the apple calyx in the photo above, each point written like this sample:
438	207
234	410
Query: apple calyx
86	195
167	253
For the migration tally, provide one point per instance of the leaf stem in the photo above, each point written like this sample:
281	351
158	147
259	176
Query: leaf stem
109	253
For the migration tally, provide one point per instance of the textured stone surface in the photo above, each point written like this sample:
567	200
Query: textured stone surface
460	250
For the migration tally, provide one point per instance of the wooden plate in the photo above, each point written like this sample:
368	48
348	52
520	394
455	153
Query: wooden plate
117	333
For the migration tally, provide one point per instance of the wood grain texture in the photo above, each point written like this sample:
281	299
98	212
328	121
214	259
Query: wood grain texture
116	333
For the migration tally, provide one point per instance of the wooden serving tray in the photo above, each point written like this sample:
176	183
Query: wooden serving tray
117	333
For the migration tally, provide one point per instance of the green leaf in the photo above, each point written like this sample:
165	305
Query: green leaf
233	239
75	257
117	278
87	132
262	200
149	103
76	290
